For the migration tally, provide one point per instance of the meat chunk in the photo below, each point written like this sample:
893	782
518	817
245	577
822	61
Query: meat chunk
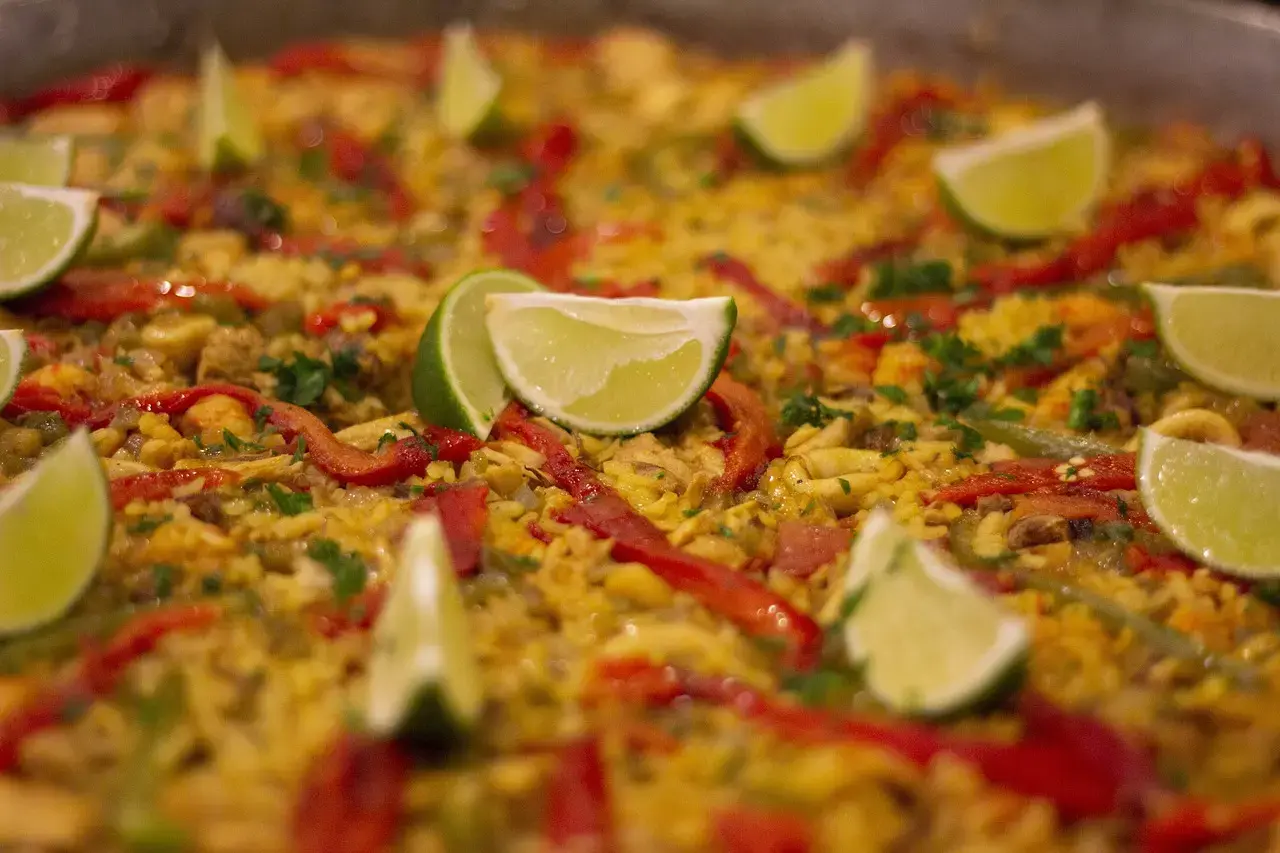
231	354
1038	530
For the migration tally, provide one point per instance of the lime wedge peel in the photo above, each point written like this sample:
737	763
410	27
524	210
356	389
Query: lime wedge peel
456	381
931	643
469	87
1216	503
55	526
40	160
1223	336
609	366
424	682
13	349
42	230
814	116
1031	182
229	137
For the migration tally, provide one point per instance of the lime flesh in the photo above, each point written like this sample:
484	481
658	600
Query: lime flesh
469	86
814	116
55	525
1196	323
609	366
424	682
456	382
1031	182
42	229
930	642
1218	504
13	349
229	137
44	161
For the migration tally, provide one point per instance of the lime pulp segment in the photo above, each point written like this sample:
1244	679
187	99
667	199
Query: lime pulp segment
456	381
1033	181
609	366
228	134
1218	504
469	86
55	525
423	678
1195	324
42	229
812	117
44	161
13	349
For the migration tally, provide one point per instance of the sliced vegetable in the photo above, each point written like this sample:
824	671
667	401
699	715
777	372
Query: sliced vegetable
751	441
113	85
160	485
783	311
578	814
1033	442
463	514
1099	473
352	797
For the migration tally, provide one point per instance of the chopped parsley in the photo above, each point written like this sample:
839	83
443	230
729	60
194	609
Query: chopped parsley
726	532
954	387
211	584
690	513
1120	532
148	523
237	444
162	579
511	177
892	393
313	165
301	380
386	438
894	280
825	293
1084	415
261	415
806	409
1040	349
1026	395
300	449
123	360
847	325
346	567
970	439
289	503
905	430
1143	349
844	485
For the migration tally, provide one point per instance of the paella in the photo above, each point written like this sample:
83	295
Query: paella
489	442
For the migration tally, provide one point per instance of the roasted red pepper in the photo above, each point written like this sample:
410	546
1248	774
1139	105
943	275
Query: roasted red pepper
159	485
352	798
1145	216
332	58
30	396
358	614
320	323
1192	824
901	118
113	85
939	311
345	463
40	346
1083	504
614	289
719	588
847	269
356	162
805	548
1142	560
388	259
1261	431
463	513
751	441
1079	764
551	148
97	674
746	830
1040	475
86	296
784	311
578	816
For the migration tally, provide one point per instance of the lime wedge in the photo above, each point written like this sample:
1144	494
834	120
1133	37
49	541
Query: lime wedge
50	554
931	643
45	160
468	93
456	382
815	115
1218	504
1033	181
609	366
1195	323
42	229
229	137
424	682
13	349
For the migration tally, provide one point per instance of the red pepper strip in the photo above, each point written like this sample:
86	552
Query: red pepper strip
752	441
579	815
847	269
784	311
939	310
31	396
390	259
352	798
1034	475
551	148
615	290
1079	764
83	296
323	57
183	206
1142	560
537	531
1193	824
730	157
1097	506
353	161
744	830
405	458
40	346
113	85
96	675
1261	431
358	614
320	323
805	548
463	513
1146	215
719	588
901	119
158	485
